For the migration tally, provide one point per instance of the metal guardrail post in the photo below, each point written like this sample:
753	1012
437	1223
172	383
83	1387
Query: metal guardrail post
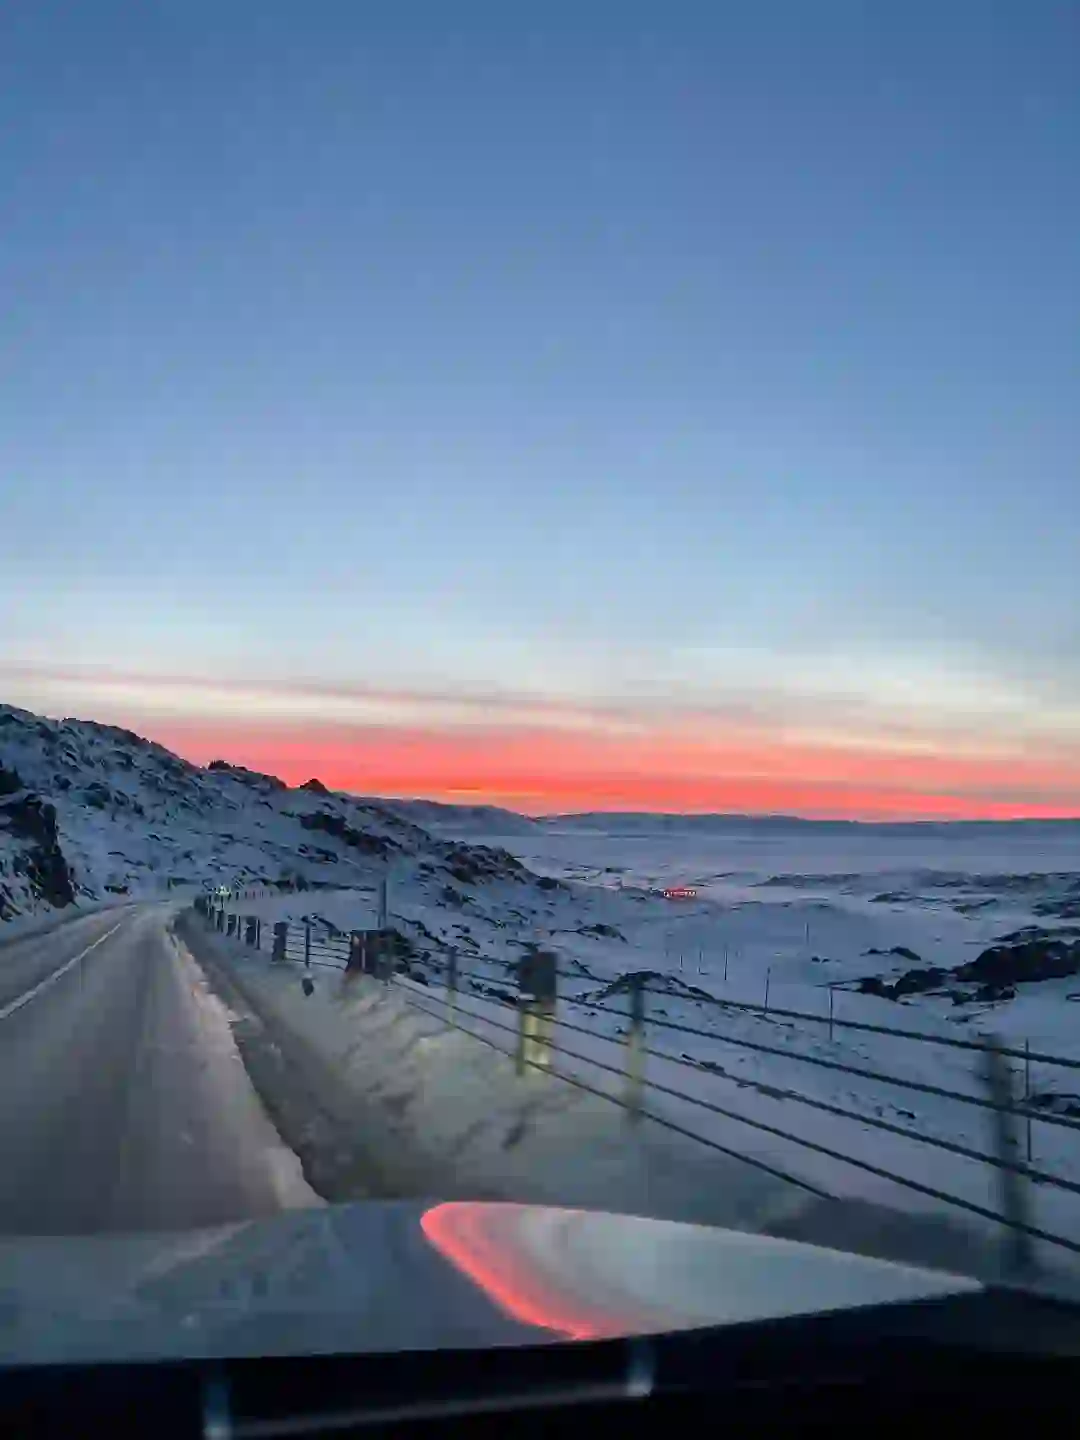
307	983
1017	1259
281	940
635	1050
356	961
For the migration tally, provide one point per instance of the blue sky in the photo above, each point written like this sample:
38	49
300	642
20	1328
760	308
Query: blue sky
718	360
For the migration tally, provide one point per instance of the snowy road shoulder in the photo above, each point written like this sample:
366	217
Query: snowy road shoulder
241	1110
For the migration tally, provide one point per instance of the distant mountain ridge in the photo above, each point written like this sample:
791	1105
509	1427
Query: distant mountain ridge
626	822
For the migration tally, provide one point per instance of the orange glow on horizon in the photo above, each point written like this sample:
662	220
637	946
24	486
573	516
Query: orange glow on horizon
541	771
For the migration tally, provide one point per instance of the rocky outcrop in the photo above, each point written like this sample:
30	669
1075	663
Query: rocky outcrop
335	825
1024	958
1016	964
477	864
40	860
901	950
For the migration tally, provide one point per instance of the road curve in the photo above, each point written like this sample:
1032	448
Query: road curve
123	1102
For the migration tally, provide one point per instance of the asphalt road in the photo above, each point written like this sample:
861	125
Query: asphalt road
123	1102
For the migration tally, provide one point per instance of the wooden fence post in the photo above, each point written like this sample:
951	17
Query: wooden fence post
1017	1258
537	988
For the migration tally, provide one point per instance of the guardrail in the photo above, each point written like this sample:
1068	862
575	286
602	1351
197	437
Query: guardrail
533	1033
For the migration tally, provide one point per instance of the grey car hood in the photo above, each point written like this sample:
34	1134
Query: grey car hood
393	1276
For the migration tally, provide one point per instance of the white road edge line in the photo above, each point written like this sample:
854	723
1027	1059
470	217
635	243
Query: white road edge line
28	995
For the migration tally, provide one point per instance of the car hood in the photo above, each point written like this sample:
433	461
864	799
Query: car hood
392	1276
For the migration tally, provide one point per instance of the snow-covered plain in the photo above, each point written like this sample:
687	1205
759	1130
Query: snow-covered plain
797	919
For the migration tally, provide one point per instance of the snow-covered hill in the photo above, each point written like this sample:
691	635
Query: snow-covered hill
464	820
88	811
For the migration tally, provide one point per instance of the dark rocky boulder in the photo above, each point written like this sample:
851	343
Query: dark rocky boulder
993	993
901	950
1047	959
912	982
874	985
996	972
602	931
42	861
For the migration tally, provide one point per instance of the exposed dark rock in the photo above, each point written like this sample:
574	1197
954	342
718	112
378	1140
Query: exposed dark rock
602	931
42	862
10	784
654	980
493	992
476	864
127	736
993	993
548	882
1057	1103
411	972
315	786
334	825
912	982
996	972
900	950
1039	932
1030	960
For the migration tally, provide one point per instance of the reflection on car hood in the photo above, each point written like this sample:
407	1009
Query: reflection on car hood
391	1276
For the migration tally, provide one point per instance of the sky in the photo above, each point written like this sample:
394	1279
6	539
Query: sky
570	406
